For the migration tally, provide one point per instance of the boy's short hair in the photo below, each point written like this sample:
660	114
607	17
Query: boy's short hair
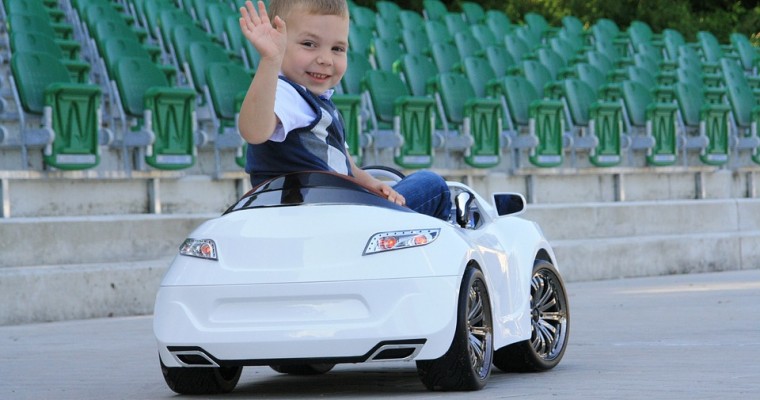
281	8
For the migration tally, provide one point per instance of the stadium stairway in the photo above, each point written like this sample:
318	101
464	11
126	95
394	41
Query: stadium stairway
95	242
75	265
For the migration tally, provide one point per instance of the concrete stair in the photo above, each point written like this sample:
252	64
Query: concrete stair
120	259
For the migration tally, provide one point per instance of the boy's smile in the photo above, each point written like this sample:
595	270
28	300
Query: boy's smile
316	52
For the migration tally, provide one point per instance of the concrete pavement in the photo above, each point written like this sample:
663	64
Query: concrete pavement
690	337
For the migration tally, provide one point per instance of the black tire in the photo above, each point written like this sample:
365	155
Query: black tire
303	369
550	324
467	363
201	380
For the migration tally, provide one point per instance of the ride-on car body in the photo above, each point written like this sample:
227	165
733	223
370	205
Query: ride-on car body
309	270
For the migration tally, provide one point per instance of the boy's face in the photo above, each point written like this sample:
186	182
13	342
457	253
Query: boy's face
316	52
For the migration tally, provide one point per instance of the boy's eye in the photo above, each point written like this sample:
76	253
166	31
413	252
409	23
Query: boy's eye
309	44
339	49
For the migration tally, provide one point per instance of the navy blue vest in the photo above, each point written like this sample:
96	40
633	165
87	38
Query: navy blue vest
319	146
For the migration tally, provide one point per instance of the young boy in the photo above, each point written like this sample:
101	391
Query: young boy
287	117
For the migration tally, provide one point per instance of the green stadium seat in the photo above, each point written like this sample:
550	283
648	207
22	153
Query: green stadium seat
551	60
532	123
535	72
237	44
434	10
360	39
226	86
640	33
410	20
115	48
400	121
349	102
573	26
484	36
499	59
455	23
358	66
437	32
79	70
473	12
415	41
36	24
517	47
745	107
704	125
475	122
467	45
388	10
388	29
199	56
652	125
498	23
748	54
711	49
164	116
363	16
607	28
538	25
531	38
52	17
385	52
180	31
480	74
416	71
446	57
672	41
69	113
216	18
564	48
594	124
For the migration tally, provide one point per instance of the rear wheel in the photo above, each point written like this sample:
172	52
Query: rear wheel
303	369
550	323
467	363
201	380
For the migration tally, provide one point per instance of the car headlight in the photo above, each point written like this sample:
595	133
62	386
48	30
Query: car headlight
386	241
201	248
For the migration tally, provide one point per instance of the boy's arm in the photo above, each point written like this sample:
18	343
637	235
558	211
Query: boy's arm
257	118
368	180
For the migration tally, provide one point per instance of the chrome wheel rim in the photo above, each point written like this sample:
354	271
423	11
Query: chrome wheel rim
548	315
479	329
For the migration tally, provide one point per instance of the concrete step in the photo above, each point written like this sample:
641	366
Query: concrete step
634	219
93	239
58	268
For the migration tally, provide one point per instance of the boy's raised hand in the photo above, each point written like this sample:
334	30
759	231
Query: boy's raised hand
270	41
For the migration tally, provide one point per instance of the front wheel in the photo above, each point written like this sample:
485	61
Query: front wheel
550	324
201	380
467	363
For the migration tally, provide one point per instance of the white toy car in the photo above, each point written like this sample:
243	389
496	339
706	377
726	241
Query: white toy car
310	270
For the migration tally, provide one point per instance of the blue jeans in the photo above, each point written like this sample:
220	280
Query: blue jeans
427	193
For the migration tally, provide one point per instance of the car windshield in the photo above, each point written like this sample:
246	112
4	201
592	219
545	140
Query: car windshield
309	188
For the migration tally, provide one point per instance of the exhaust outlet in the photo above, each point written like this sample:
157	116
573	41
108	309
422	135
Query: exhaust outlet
193	358
395	352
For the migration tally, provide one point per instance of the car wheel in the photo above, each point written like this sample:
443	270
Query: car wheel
201	380
303	369
467	363
550	323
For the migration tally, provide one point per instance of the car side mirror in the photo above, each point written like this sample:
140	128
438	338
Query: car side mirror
462	203
509	203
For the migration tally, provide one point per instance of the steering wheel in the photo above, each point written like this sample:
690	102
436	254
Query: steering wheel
383	173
